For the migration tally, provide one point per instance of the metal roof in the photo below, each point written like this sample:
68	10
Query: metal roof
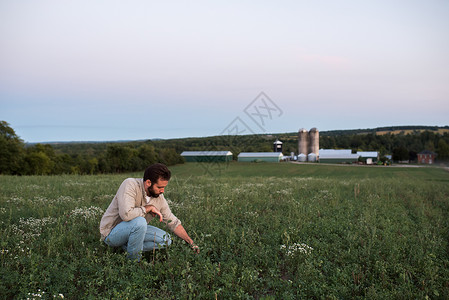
335	151
206	153
337	154
260	154
368	153
427	152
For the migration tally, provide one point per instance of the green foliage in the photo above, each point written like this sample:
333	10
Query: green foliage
11	150
266	231
38	163
77	158
443	150
400	154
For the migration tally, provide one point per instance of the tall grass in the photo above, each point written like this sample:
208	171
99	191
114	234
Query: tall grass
266	231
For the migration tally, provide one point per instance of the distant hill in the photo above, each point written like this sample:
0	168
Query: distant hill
394	130
379	131
388	129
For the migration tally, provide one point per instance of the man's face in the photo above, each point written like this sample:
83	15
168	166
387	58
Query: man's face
155	189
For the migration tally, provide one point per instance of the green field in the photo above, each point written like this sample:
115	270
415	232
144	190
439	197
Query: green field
266	231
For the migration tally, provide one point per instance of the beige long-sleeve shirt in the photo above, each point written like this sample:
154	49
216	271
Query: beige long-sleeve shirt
129	203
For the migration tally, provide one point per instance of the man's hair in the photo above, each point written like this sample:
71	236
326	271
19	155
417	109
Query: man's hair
156	172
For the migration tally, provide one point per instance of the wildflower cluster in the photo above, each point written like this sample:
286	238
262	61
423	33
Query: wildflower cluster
41	294
296	247
15	200
22	248
31	228
251	185
254	214
238	191
34	186
323	195
39	200
88	213
285	192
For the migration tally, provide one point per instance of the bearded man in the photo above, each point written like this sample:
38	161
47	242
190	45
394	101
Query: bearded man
125	222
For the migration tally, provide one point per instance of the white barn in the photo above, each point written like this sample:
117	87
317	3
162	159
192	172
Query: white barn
337	156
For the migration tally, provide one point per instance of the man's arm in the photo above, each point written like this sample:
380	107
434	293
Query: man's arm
182	233
153	211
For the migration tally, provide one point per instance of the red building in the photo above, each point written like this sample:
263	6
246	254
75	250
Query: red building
426	157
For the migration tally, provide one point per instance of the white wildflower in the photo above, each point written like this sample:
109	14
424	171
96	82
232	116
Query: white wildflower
15	200
285	192
254	214
87	212
296	247
31	228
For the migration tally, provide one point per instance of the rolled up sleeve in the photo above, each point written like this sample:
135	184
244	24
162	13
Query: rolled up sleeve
170	219
167	216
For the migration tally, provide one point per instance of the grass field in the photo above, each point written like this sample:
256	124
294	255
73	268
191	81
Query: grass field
266	231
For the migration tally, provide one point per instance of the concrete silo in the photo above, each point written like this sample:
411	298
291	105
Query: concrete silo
314	141
311	157
302	157
303	141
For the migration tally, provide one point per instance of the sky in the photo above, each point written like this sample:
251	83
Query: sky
141	69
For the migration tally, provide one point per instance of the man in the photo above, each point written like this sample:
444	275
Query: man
125	222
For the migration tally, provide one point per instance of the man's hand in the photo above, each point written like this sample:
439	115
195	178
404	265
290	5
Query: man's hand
195	248
150	209
181	232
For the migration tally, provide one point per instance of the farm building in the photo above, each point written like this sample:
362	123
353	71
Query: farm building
426	157
207	156
337	156
277	146
259	157
369	157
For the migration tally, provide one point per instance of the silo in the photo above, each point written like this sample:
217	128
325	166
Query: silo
302	157
311	157
303	141
314	141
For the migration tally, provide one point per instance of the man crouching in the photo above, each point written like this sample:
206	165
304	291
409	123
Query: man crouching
125	222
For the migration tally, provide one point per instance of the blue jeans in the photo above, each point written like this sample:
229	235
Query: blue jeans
136	236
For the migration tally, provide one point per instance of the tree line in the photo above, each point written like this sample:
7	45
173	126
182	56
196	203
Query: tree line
18	158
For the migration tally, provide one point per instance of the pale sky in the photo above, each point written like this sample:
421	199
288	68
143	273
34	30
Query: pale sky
140	69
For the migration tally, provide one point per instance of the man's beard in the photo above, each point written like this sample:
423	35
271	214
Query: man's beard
151	193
